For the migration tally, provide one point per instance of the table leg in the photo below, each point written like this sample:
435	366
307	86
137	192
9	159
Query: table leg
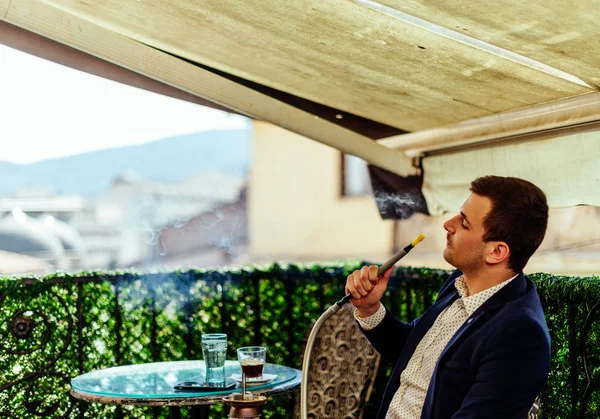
199	411
196	412
174	412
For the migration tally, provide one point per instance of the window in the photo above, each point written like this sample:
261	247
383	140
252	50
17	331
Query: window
355	176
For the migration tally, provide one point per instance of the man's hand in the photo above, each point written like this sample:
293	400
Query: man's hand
367	289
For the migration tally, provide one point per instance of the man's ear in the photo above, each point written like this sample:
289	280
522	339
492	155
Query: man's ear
498	253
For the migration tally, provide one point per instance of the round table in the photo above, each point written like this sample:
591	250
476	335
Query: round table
152	385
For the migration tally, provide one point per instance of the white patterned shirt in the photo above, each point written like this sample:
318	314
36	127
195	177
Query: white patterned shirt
414	380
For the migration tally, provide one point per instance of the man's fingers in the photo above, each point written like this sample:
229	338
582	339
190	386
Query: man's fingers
359	285
350	284
364	273
373	273
369	277
355	294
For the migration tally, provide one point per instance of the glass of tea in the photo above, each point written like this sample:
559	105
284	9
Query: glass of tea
252	360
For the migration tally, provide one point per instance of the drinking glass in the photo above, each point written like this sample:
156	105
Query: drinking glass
252	360
214	349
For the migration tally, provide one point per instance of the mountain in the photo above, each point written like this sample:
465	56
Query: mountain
170	160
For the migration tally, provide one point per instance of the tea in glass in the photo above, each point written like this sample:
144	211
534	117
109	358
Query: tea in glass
252	360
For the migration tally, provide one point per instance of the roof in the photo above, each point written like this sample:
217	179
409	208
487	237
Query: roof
20	233
69	237
43	204
13	263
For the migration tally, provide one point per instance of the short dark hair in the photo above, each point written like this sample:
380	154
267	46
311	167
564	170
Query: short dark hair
519	215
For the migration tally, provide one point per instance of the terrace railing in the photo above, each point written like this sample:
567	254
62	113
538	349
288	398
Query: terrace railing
57	327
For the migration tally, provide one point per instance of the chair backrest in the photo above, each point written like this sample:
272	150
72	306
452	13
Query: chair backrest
342	371
534	411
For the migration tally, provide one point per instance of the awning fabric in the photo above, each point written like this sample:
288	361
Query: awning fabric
564	165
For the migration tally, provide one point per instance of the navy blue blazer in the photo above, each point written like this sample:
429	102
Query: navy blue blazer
495	365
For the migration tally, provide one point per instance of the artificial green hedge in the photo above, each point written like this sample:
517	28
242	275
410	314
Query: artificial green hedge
54	328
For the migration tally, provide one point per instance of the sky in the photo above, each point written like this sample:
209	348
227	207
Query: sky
48	111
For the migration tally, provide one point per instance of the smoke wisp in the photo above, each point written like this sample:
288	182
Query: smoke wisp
398	206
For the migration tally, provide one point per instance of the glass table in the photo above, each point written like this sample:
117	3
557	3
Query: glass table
152	385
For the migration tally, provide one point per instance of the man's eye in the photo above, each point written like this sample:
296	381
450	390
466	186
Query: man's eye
464	226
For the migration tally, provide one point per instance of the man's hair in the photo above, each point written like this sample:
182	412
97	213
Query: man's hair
519	215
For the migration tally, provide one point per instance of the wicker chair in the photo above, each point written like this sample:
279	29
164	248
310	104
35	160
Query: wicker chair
343	370
535	409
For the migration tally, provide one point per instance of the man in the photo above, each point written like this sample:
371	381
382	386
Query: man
483	349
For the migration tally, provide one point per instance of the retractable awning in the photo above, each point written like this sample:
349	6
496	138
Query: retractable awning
421	90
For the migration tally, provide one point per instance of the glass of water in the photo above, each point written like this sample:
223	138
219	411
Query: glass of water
214	349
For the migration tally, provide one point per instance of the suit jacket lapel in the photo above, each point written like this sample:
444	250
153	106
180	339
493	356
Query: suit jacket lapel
510	292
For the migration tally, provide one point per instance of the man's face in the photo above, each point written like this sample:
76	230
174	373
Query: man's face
465	249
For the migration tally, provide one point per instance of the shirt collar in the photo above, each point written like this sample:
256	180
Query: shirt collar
473	302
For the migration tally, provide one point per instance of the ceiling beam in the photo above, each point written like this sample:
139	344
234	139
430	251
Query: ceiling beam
78	33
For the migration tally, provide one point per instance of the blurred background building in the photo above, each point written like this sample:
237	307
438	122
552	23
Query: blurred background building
179	215
288	199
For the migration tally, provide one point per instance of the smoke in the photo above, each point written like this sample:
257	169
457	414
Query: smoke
170	292
397	206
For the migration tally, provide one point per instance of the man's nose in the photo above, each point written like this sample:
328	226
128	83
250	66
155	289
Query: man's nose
449	225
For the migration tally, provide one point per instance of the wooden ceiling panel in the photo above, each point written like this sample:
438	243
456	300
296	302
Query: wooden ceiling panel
339	54
4	4
562	34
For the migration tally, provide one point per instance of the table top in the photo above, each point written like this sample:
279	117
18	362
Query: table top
152	384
